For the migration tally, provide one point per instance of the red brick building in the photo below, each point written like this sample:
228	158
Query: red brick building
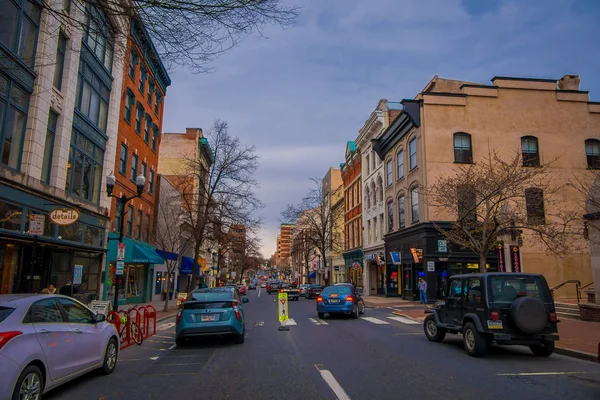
145	81
351	177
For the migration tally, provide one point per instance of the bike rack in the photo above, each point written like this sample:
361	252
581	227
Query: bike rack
149	320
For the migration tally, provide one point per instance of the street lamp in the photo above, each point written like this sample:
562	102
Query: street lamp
122	201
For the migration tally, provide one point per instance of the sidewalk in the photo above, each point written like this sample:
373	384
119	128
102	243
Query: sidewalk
159	305
577	338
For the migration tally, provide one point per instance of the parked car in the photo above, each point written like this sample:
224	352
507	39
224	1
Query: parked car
273	287
263	284
211	312
340	299
242	289
47	340
313	290
303	288
252	286
501	308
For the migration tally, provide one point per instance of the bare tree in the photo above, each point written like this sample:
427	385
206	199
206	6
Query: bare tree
317	218
302	249
170	236
186	33
496	196
587	186
248	258
223	196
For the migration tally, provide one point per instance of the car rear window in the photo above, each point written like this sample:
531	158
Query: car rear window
212	295
506	289
5	312
337	289
197	305
315	286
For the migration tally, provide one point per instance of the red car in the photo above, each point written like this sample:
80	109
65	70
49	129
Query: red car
242	289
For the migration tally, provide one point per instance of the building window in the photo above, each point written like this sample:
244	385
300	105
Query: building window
150	91
529	151
139	116
390	212
147	234
19	27
123	160
592	152
388	173
134	167
60	61
467	203
400	161
118	213
99	39
133	61
157	102
412	147
534	203
414	204
84	169
138	229
147	128
92	96
401	215
130	221
128	105
13	115
367	164
369	237
48	146
144	169
143	77
151	182
463	152
154	137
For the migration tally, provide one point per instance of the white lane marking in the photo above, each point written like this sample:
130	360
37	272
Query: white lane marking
260	323
549	373
172	347
154	358
320	321
259	292
164	327
330	380
290	322
405	320
375	320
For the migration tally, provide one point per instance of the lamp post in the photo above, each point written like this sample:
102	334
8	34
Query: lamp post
122	201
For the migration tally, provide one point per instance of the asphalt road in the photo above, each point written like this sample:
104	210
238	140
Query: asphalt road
374	358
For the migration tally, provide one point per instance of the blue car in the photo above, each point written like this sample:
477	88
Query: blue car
340	299
211	312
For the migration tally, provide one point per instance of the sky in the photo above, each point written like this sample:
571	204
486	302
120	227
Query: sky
299	94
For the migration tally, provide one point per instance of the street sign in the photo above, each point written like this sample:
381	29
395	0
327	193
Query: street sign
36	224
282	304
120	268
100	307
442	246
121	252
430	266
77	274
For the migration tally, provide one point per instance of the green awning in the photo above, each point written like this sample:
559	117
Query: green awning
145	254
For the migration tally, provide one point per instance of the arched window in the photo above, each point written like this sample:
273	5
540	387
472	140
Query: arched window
414	204
373	193
388	172
401	214
390	216
400	164
592	152
463	152
530	152
368	197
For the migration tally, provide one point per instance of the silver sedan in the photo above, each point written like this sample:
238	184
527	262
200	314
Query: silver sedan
47	340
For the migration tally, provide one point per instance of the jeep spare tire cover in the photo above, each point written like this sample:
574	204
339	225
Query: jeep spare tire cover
528	314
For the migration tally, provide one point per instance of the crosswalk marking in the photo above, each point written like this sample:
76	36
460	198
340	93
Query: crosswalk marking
405	320
260	323
290	322
375	321
318	321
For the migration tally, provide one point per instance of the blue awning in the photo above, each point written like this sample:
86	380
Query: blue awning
313	275
166	255
143	254
186	266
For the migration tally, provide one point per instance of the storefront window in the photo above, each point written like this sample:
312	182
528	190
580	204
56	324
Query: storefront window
158	284
135	281
9	261
93	236
48	225
10	216
70	232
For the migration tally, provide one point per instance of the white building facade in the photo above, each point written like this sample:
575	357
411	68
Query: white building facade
374	274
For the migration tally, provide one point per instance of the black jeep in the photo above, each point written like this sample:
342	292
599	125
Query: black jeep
505	308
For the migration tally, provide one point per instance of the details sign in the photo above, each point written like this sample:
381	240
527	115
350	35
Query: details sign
64	216
282	303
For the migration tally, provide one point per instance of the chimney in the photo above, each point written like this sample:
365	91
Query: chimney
569	82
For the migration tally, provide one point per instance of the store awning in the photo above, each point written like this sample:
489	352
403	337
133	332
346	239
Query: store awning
313	275
144	254
166	255
187	265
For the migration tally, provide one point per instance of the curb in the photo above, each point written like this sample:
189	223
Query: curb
166	317
582	355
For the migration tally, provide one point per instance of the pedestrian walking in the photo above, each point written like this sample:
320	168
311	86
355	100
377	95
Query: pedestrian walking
422	291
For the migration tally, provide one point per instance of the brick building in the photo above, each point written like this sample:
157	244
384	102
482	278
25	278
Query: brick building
351	177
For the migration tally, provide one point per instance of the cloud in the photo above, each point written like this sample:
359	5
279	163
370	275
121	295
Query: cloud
303	92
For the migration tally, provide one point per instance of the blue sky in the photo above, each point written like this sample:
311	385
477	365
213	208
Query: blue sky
300	93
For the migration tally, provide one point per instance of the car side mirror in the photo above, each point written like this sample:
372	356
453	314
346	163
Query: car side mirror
99	318
245	300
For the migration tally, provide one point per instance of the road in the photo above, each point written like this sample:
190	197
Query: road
376	357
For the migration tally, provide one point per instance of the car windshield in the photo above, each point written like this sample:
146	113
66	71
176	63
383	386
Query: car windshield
211	295
336	290
506	289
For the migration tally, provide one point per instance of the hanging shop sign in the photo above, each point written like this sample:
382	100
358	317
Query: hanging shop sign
64	216
356	266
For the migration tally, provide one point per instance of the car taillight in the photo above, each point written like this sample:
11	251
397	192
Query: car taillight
280	290
178	318
552	317
494	316
5	337
349	298
319	299
236	310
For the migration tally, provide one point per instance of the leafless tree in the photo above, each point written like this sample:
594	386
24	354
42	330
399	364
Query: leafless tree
171	235
301	250
186	33
497	195
247	258
587	186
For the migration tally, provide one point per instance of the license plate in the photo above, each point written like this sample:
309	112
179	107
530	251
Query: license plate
207	317
334	300
494	324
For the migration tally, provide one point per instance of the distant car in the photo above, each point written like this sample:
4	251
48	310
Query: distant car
252	286
263	284
273	287
210	312
313	290
340	299
303	288
47	340
242	289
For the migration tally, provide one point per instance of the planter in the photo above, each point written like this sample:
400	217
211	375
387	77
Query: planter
591	295
589	312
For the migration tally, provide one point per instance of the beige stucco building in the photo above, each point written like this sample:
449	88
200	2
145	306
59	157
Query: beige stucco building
452	122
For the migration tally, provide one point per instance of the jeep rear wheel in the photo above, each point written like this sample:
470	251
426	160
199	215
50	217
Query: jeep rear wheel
432	332
474	342
545	349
